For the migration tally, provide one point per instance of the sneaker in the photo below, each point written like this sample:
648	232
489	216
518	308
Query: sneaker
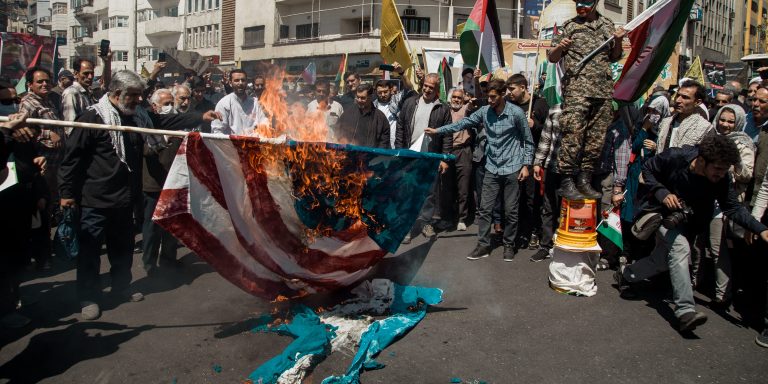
624	287
720	305
428	231
461	226
690	320
479	252
90	310
540	255
407	239
534	243
509	253
14	320
762	339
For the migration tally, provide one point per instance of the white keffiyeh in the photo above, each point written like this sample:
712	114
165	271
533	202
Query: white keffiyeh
111	116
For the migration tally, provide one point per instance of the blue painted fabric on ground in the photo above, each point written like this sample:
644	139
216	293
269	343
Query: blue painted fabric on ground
408	309
312	337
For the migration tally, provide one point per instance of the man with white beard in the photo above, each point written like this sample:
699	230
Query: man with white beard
96	174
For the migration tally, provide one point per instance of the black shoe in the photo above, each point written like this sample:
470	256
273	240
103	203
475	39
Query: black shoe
624	287
720	305
690	320
762	339
540	255
568	189
479	252
509	253
534	243
583	181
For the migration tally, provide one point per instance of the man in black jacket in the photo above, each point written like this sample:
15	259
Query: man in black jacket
417	114
97	173
530	202
361	123
683	185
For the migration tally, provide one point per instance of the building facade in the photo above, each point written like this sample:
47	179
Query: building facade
138	30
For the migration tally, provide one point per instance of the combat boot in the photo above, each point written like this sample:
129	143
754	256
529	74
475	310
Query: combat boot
583	181
568	189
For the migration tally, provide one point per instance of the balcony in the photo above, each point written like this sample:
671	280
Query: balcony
85	9
163	26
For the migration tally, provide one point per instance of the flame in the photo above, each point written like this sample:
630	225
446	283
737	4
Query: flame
320	175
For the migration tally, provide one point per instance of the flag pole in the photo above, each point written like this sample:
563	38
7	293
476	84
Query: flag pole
480	49
122	128
538	51
641	18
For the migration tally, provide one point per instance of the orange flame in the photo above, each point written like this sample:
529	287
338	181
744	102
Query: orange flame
314	170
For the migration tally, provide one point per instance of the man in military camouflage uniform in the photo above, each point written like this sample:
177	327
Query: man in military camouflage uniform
587	95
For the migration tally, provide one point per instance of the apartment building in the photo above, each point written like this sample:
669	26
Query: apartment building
138	30
293	32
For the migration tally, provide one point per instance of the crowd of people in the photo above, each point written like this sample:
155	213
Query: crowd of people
686	172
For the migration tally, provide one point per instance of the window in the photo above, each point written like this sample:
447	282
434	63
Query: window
57	34
216	3
189	7
118	22
59	9
148	53
306	31
253	36
172	12
416	25
285	30
188	36
210	36
215	35
120	55
210	4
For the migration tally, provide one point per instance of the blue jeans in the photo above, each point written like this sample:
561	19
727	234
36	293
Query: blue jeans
672	252
493	187
113	226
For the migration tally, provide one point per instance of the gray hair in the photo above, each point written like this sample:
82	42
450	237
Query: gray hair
123	80
456	89
176	88
434	76
159	92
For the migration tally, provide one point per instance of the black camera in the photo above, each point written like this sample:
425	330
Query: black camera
679	217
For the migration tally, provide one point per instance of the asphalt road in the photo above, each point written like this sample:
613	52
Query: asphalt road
499	323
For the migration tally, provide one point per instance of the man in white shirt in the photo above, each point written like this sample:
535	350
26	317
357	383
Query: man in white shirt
323	102
240	113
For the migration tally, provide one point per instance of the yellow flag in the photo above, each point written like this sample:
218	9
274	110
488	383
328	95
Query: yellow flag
393	44
695	72
460	28
144	73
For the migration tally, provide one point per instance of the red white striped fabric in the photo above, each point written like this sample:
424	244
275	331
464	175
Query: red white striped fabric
244	224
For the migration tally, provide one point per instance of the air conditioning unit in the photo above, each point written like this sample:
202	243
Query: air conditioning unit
410	12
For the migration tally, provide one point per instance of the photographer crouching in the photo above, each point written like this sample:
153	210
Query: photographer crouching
682	186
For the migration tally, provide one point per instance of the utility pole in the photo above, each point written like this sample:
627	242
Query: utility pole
134	48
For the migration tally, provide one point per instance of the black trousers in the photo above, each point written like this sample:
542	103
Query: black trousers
17	207
155	240
113	227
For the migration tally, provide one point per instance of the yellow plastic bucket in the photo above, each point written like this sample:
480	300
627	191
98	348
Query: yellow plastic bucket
578	223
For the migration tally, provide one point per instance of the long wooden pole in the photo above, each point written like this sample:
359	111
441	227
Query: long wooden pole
148	131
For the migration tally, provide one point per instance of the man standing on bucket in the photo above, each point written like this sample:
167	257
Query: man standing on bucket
587	95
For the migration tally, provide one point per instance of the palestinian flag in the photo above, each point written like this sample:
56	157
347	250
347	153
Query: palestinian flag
482	35
552	90
610	227
653	36
21	86
446	80
340	74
